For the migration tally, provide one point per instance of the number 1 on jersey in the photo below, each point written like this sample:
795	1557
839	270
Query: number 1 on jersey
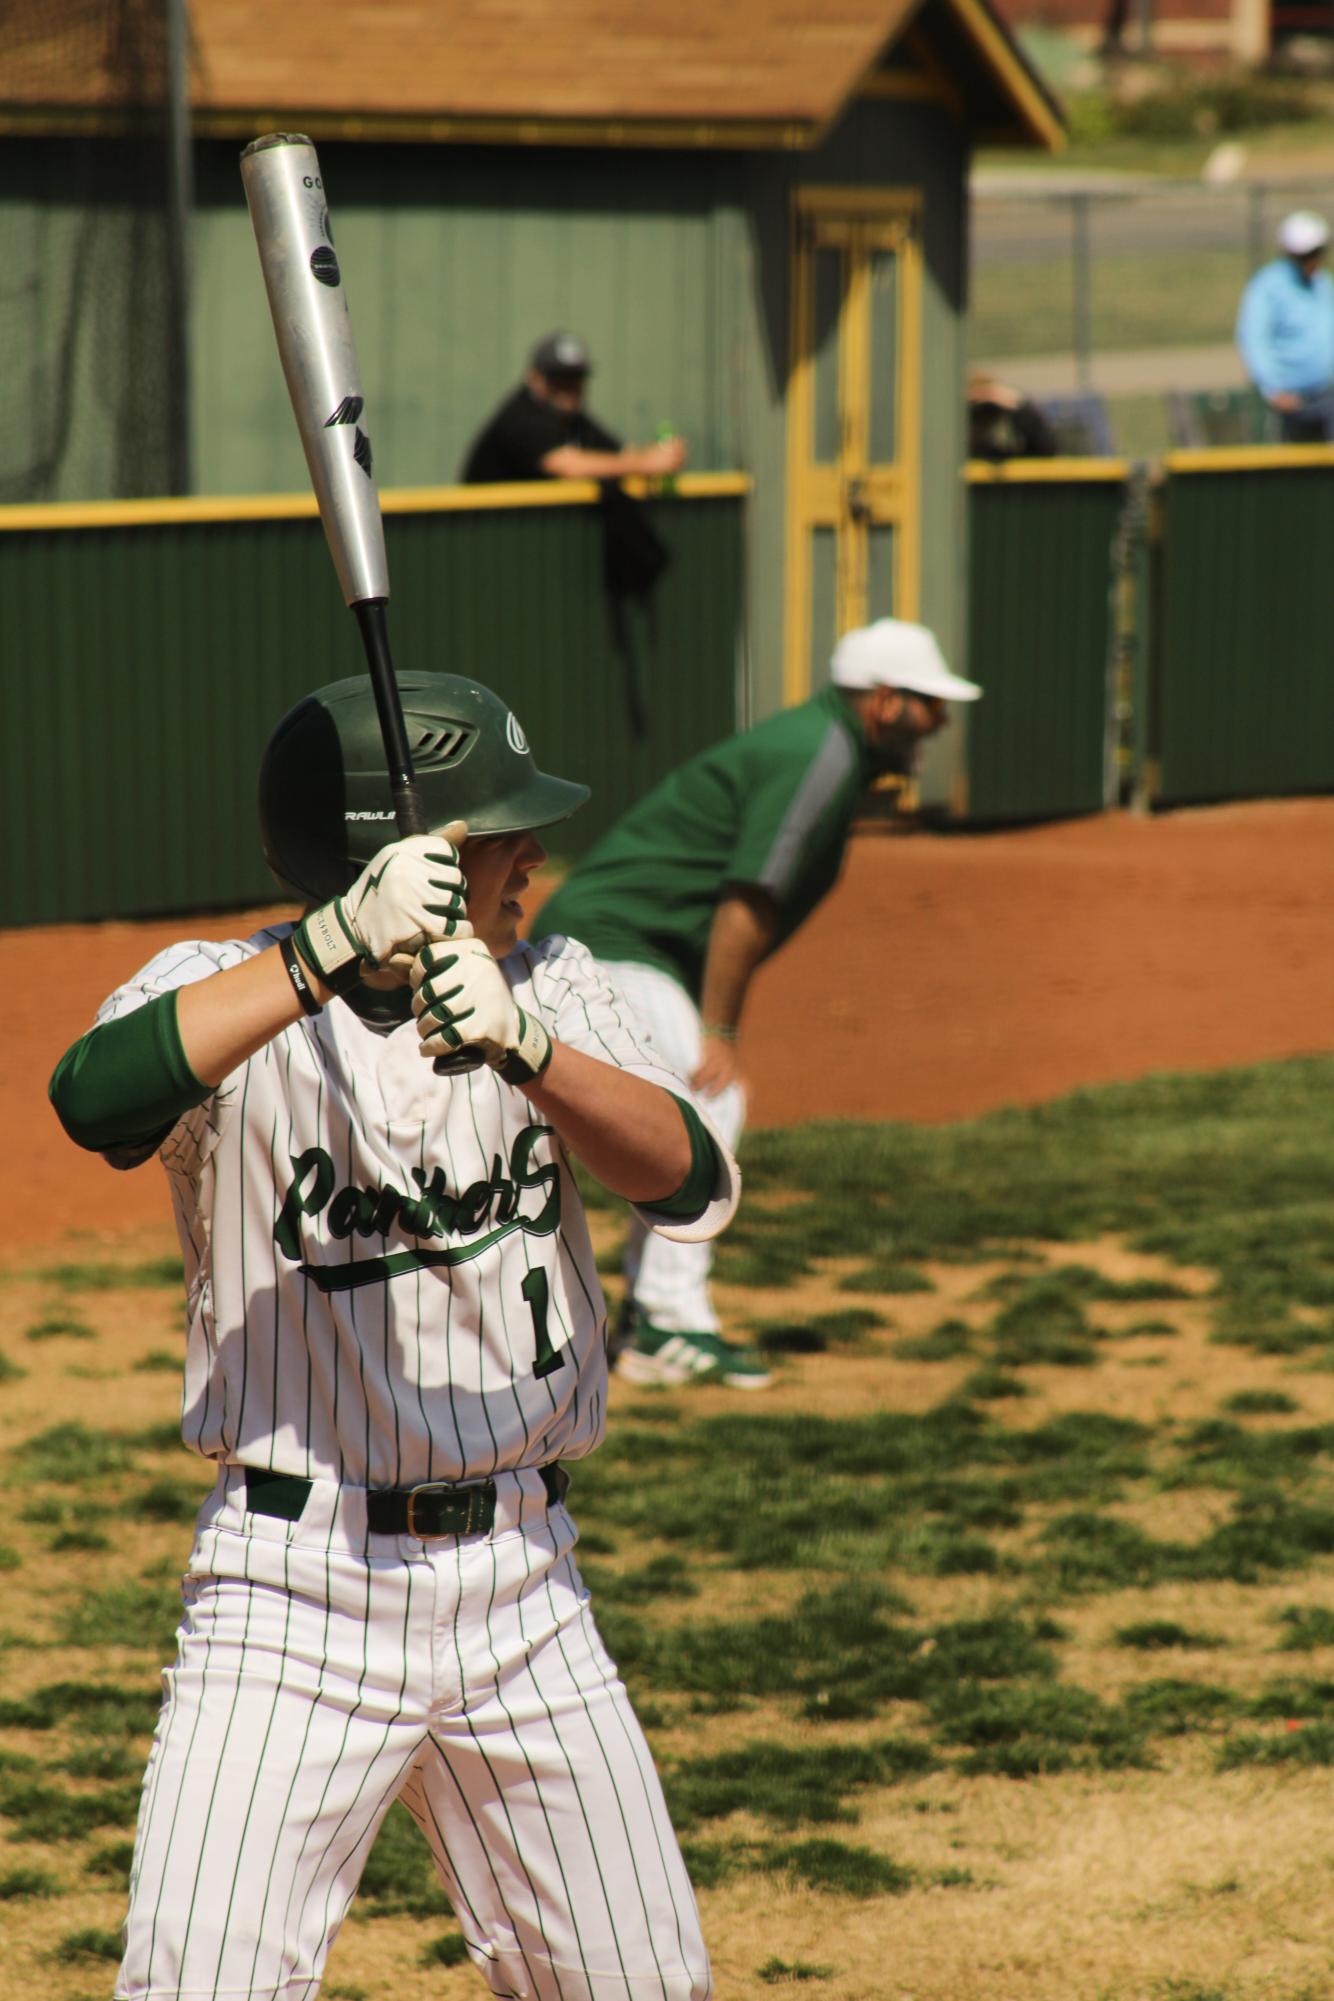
546	1359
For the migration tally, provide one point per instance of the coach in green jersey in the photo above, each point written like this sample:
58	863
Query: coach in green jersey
696	885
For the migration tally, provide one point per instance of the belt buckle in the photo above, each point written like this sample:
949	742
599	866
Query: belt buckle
427	1487
473	1497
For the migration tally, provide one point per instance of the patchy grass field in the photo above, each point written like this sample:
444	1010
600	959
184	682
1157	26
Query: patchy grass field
989	1654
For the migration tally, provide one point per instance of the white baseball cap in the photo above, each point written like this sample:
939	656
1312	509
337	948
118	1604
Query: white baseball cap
895	653
1302	232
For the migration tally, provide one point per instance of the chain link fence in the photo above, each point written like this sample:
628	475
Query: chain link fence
1124	291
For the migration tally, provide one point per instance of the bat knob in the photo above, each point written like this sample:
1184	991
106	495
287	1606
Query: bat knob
458	1066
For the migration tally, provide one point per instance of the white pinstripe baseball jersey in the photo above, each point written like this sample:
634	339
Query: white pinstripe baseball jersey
389	1275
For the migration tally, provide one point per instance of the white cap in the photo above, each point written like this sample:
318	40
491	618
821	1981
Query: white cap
1302	232
894	653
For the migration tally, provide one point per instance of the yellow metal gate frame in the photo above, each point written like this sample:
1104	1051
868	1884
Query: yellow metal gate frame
852	494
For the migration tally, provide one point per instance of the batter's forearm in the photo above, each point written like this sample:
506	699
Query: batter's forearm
224	1019
627	1132
740	939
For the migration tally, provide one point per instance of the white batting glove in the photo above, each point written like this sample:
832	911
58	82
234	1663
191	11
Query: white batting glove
463	1005
412	892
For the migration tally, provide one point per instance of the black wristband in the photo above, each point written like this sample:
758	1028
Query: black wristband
299	977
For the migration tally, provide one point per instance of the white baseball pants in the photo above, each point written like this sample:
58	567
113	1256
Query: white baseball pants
669	1282
322	1673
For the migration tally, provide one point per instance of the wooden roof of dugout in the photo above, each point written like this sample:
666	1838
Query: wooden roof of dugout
692	73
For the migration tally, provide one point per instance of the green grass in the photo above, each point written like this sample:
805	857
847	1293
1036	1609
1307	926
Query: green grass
18	1884
70	1454
789	1785
1024	1729
790	1973
840	1870
163	1501
141	1612
1152	1636
38	1813
399	1877
101	1709
1306	1627
1229	1171
107	1759
448	1950
661	1577
89	1944
1310	1745
947	1340
847	1326
1158	298
113	1860
167	1272
53	1325
886	1275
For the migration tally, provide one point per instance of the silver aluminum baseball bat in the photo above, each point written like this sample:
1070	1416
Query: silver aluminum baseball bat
290	214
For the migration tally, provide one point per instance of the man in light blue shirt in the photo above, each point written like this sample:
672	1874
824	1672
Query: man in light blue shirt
1285	331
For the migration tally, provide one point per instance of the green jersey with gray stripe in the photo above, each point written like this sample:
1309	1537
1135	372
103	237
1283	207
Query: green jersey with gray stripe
389	1275
768	809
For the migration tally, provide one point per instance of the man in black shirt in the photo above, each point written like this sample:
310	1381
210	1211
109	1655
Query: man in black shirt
543	431
1005	424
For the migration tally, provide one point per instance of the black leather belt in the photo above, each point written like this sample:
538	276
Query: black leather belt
433	1509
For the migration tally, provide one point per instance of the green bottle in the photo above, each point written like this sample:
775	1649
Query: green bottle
667	483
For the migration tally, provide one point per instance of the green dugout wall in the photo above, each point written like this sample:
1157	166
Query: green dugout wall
1040	743
1243	640
1169	642
151	646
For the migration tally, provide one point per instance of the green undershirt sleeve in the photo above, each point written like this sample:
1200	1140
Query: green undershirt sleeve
694	1195
125	1084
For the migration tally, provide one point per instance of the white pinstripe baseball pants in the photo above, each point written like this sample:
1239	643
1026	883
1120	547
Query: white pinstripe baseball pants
316	1682
669	1281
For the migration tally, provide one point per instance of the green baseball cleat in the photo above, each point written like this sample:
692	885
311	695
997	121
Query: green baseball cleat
657	1355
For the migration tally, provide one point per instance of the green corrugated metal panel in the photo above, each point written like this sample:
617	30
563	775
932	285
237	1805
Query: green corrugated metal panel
1039	582
147	665
1244	696
456	261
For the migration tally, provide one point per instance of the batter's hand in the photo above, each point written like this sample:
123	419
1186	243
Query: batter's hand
412	892
462	1001
718	1067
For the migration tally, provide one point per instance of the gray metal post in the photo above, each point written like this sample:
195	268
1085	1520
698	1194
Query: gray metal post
1083	290
180	206
1255	226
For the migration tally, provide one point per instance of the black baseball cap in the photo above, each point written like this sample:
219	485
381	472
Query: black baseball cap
560	354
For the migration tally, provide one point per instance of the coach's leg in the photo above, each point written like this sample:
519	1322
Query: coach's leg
288	1724
539	1797
669	1282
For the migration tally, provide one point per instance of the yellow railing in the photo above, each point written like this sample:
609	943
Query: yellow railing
394	500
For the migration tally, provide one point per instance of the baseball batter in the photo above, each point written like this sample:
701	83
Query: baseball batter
395	1337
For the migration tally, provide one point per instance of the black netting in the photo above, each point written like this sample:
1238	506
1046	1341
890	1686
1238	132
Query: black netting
89	288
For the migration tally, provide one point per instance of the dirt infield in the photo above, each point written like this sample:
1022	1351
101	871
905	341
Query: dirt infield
947	974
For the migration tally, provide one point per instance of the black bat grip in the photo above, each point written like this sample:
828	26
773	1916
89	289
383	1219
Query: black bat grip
372	619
